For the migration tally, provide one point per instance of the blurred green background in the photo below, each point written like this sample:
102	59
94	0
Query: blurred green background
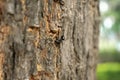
109	44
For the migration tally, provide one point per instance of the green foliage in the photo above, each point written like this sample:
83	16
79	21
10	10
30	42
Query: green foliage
108	71
108	52
114	11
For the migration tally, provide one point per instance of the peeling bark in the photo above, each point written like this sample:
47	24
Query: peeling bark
48	39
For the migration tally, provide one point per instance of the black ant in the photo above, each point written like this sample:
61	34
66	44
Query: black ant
60	1
58	41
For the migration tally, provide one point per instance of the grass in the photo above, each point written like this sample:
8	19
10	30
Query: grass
108	71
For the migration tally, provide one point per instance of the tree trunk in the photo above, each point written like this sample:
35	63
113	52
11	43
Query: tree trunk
48	39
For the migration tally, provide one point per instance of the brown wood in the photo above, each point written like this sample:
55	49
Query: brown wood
48	39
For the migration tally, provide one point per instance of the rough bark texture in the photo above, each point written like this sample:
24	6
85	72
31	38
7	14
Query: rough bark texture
48	39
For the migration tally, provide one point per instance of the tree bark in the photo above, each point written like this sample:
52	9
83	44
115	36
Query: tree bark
48	39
